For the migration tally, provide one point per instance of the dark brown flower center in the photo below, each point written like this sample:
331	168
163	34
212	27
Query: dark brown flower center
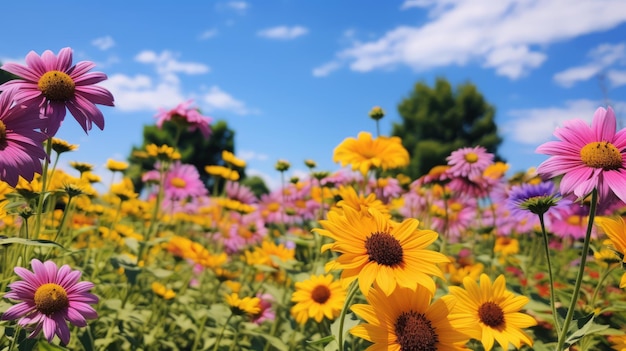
51	298
414	332
320	294
56	86
601	155
491	314
384	249
3	135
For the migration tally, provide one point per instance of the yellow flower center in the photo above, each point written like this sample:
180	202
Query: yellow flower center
3	135
601	155
415	332
471	157
178	182
273	207
56	86
320	294
51	298
384	249
491	314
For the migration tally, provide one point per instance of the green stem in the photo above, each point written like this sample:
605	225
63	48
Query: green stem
219	337
546	248
196	340
354	287
44	179
581	272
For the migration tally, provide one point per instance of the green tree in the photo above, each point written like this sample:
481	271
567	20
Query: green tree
193	147
439	120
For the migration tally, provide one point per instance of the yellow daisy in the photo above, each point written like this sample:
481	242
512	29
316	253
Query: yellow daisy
406	320
247	305
317	297
163	291
488	312
349	197
365	153
615	229
377	250
116	166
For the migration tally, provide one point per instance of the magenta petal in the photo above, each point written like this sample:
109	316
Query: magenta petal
96	94
49	327
616	180
62	330
17	311
21	71
76	318
64	60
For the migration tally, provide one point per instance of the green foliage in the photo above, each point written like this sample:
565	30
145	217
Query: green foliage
439	120
193	147
256	184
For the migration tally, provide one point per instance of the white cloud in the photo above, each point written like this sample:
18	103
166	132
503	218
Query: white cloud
208	34
217	99
536	125
249	155
283	32
147	93
326	69
166	63
600	59
140	93
616	77
570	76
103	43
507	35
238	5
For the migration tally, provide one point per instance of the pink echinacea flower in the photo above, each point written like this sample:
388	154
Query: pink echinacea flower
52	83
48	297
21	144
588	157
186	116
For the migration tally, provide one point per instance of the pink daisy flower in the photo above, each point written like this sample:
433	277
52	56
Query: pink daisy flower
469	162
187	116
183	181
588	157
21	149
52	83
49	296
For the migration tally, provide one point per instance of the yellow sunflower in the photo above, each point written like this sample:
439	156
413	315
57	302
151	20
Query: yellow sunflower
377	250
317	297
406	320
488	312
365	153
247	305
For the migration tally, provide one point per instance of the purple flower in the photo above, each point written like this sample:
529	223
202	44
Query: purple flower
49	296
21	145
52	83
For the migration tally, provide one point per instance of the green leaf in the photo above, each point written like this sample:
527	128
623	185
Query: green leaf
584	326
37	242
46	346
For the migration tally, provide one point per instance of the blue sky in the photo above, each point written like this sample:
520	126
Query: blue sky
295	78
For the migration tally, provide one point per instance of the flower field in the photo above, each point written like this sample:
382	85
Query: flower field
365	258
